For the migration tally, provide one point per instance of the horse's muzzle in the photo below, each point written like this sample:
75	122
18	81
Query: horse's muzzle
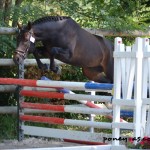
17	59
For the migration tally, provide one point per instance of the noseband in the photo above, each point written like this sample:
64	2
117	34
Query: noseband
23	53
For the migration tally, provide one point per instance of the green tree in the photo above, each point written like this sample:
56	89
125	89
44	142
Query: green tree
117	15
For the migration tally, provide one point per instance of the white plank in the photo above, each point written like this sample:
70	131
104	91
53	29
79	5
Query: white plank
27	62
103	147
63	134
123	125
123	102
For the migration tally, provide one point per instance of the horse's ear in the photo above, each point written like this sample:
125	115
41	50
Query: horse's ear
29	25
19	25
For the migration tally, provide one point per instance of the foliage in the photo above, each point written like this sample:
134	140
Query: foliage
110	14
27	12
7	46
143	143
72	73
8	126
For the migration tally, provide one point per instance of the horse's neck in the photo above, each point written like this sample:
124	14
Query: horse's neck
44	31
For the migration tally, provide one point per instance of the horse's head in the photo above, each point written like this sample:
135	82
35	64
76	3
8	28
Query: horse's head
25	43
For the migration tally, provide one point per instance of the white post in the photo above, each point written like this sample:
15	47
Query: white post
130	71
138	87
147	128
145	84
92	116
117	92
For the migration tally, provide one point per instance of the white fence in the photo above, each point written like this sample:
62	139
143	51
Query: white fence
131	84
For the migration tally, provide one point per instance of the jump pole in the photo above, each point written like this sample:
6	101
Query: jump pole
68	96
55	120
67	108
124	112
59	85
65	96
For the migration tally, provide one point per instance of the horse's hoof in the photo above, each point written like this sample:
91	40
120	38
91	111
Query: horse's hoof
44	67
57	70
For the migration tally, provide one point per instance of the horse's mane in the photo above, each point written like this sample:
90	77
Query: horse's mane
49	19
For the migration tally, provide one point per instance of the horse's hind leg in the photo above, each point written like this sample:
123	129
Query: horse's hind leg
96	74
109	70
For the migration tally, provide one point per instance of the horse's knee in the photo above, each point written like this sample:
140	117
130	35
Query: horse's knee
96	74
54	51
61	54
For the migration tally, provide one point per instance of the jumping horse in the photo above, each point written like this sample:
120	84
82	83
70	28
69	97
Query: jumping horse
62	38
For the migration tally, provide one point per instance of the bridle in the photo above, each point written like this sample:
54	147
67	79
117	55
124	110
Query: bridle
23	53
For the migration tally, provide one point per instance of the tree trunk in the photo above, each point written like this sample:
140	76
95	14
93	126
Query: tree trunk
17	3
8	4
2	5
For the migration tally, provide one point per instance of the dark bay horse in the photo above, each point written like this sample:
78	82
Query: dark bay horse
62	38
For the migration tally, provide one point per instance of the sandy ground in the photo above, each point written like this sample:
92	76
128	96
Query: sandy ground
33	143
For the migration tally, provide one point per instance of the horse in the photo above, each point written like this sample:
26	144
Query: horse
63	39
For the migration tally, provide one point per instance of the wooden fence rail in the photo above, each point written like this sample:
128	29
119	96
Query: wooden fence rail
12	31
27	62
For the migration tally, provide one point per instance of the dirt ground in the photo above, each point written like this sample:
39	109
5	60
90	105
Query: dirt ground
33	143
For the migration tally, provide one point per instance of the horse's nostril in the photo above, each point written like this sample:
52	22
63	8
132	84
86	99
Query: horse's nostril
17	60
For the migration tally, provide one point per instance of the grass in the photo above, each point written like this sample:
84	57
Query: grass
8	126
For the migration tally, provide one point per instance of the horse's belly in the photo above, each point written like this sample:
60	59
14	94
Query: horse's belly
87	55
84	62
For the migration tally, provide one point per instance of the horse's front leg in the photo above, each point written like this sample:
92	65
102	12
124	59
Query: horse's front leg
61	54
53	66
36	52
